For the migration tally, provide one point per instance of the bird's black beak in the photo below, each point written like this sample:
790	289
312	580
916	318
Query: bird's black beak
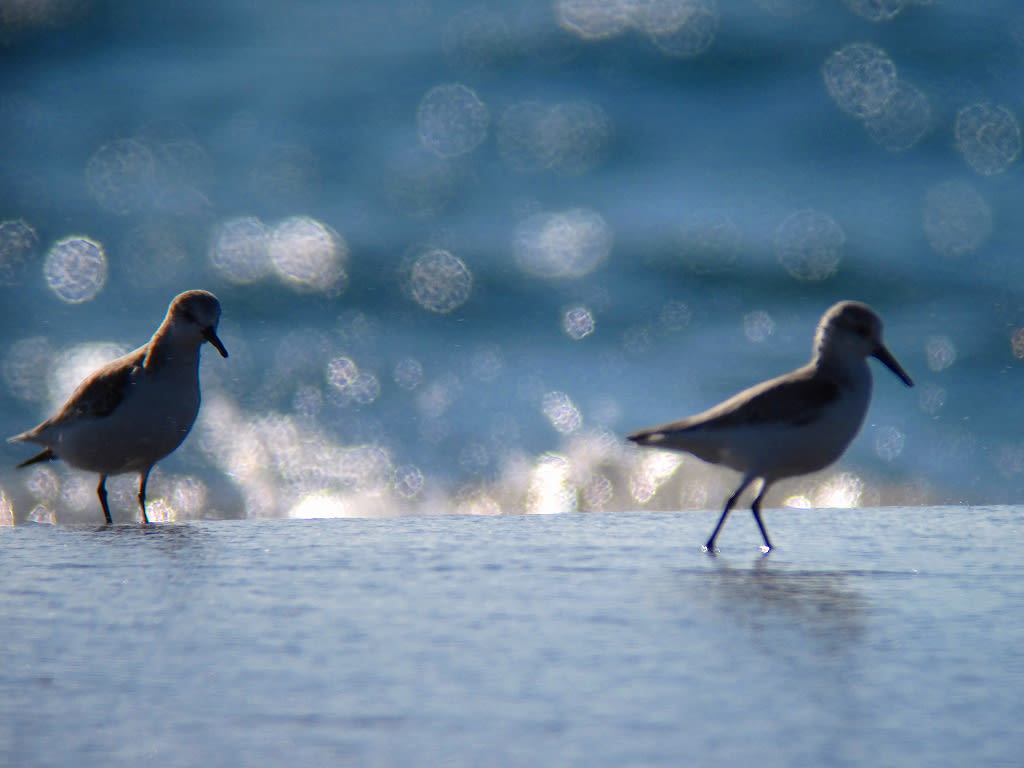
211	336
892	364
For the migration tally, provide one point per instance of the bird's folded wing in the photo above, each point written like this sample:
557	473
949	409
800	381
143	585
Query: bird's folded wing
99	394
795	399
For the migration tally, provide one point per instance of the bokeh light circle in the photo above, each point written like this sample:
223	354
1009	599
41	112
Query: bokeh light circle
351	383
861	79
439	281
988	136
674	316
562	412
567	244
957	220
452	120
595	19
487	362
904	119
408	373
809	244
680	28
121	176
758	326
342	373
578	322
409	481
240	250
889	443
309	255
76	269
941	352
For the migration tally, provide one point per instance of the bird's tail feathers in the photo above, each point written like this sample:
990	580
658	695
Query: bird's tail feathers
647	437
46	455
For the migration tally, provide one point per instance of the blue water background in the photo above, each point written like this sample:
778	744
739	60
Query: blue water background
654	214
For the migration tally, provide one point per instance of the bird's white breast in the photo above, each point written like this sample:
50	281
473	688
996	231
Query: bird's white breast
152	420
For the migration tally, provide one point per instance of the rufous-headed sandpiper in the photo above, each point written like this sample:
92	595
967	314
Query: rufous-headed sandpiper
136	410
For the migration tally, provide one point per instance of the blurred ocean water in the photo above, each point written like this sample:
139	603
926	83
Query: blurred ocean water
463	247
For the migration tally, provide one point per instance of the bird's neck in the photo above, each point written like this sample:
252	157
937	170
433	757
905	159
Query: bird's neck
168	347
848	370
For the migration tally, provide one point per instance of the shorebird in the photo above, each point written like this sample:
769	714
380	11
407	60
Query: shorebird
794	424
136	410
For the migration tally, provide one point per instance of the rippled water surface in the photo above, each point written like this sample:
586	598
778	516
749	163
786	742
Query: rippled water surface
875	636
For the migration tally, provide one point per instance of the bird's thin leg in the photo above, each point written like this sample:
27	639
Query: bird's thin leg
756	509
143	479
101	491
710	546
